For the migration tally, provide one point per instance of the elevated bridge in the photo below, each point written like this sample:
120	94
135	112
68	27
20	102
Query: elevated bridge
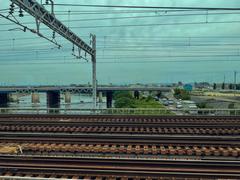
53	92
79	89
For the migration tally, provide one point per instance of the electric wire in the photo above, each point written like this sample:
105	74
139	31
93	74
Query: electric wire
145	7
119	62
132	17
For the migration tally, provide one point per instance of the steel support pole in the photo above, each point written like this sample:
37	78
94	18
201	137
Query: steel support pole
94	72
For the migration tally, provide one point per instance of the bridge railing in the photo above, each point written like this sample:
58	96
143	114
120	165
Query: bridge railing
122	111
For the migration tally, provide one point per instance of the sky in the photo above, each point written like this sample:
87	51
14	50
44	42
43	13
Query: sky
133	45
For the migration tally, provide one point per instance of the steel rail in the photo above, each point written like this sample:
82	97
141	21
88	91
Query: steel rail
113	117
49	130
63	124
136	139
125	167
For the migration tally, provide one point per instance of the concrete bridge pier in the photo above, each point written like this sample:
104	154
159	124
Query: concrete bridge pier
100	97
136	94
3	99
109	95
67	97
35	98
53	99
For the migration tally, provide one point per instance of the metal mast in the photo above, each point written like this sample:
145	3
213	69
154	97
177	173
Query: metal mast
42	15
94	73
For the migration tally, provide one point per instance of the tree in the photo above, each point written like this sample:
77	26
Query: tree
231	106
181	94
202	105
214	86
159	94
223	85
238	86
231	86
121	94
124	102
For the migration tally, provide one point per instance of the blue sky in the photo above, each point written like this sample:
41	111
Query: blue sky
158	53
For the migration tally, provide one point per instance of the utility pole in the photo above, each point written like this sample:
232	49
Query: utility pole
42	15
94	72
235	80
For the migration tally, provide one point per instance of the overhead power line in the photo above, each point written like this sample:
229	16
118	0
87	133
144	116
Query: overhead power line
134	17
118	62
147	7
160	24
25	28
114	58
146	25
133	38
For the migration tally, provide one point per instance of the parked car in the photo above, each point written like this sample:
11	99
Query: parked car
165	103
170	102
179	106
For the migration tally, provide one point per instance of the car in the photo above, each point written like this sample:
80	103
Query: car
170	102
165	103
179	103
179	106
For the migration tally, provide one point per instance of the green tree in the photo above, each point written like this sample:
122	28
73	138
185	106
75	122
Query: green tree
214	86
202	105
238	86
121	94
231	106
124	102
182	94
223	85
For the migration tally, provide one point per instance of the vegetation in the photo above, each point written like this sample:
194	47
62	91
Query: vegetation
214	86
142	105
126	100
204	105
231	86
182	94
223	85
231	106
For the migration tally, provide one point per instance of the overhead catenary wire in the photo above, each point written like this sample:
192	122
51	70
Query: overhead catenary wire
100	57
117	62
25	28
132	17
145	7
134	37
101	46
145	25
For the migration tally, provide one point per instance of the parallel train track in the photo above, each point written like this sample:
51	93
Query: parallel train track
113	147
121	167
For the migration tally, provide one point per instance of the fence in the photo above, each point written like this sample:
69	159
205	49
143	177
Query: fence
119	111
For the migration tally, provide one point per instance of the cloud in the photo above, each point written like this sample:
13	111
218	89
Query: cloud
114	38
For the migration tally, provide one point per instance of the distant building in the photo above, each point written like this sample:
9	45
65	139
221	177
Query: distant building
188	87
202	85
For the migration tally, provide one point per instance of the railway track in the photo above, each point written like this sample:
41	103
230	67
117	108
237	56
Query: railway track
105	147
156	151
119	129
222	126
120	168
191	120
